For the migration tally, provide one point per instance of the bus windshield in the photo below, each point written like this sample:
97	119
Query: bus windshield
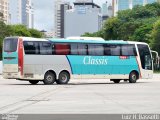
10	44
145	57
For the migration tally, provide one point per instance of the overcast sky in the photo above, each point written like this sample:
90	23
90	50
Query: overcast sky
44	13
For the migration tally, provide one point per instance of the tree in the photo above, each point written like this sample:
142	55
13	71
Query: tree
16	30
135	24
155	43
4	31
20	30
35	33
1	16
110	28
95	34
142	34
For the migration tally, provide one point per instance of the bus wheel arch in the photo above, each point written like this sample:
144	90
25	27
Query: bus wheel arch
133	76
64	77
49	77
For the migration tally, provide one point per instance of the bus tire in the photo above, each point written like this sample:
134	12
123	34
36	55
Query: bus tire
133	77
49	78
116	80
64	78
33	82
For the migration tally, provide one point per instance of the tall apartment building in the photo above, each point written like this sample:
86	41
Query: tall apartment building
85	17
59	10
104	9
4	10
107	9
27	13
128	4
22	12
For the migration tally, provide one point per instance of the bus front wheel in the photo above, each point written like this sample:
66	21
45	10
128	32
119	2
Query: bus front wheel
63	78
33	82
49	78
133	77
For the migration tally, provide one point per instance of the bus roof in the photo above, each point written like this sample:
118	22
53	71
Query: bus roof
28	38
97	41
33	39
79	41
88	41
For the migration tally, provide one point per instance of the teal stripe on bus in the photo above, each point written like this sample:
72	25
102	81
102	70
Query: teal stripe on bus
13	55
102	64
89	41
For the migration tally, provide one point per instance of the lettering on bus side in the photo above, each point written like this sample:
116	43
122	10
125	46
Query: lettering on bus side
88	60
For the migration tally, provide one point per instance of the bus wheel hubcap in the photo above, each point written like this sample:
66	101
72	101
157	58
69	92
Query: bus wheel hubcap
64	77
49	78
134	77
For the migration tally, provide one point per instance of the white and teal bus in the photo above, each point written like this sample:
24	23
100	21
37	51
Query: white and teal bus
56	60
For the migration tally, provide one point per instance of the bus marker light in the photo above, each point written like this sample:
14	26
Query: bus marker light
123	57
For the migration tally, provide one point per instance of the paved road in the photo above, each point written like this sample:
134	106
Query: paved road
80	96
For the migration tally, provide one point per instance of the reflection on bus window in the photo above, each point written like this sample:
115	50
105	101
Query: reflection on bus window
145	56
96	50
10	45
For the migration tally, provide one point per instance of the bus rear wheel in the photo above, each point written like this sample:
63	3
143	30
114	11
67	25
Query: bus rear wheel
49	78
33	82
63	78
116	80
133	77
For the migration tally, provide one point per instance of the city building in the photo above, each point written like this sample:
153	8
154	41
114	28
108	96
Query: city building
22	12
128	4
15	11
4	10
60	7
106	11
50	34
110	11
84	17
27	13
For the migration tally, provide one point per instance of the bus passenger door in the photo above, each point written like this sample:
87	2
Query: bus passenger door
146	61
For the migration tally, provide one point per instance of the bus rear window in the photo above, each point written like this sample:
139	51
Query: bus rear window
10	44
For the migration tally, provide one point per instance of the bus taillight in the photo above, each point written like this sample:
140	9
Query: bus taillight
20	56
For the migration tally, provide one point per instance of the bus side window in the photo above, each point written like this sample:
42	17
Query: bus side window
91	50
112	50
45	48
74	49
107	50
62	49
128	50
30	48
115	50
97	50
82	49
